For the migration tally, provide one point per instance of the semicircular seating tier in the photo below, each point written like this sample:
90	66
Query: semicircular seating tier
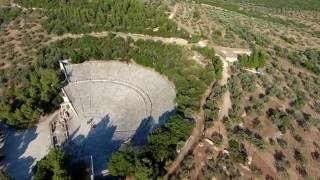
125	93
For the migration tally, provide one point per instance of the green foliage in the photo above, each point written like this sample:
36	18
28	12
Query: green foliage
53	166
143	169
298	156
281	163
21	108
255	108
233	5
83	16
216	62
211	108
161	147
297	136
162	143
205	51
240	134
282	143
282	4
222	167
316	34
281	119
255	60
191	79
248	82
309	59
8	14
26	99
234	85
300	100
4	175
237	151
187	165
273	90
122	163
217	138
256	123
130	162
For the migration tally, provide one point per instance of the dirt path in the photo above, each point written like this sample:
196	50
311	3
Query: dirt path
134	36
200	159
225	106
195	137
200	156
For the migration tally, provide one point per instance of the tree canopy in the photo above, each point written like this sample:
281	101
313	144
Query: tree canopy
83	16
255	60
161	147
24	100
8	14
53	166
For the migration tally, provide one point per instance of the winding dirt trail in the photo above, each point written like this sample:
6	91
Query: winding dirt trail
196	136
199	152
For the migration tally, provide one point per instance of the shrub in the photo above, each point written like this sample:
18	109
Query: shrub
282	143
237	151
281	163
299	157
217	138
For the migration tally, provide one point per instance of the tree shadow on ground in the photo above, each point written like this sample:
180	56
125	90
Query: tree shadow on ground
104	139
147	125
16	144
100	143
140	136
165	116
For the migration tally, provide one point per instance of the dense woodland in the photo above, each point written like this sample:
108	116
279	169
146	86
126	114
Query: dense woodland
92	16
28	93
